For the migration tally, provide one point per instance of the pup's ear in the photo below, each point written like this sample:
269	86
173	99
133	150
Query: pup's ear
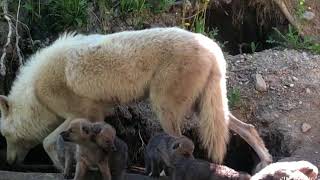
4	105
96	129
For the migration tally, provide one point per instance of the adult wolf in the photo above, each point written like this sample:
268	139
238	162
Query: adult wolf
81	76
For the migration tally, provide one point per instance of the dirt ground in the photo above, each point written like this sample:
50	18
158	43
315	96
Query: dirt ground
292	98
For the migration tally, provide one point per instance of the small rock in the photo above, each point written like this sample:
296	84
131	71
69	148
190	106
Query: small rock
300	102
305	56
260	83
308	15
294	78
291	85
308	91
305	127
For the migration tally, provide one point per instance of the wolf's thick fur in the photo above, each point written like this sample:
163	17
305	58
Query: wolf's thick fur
80	76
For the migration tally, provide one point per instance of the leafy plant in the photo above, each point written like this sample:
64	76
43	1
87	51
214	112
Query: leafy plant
33	8
234	97
254	46
161	5
293	40
301	8
213	33
69	13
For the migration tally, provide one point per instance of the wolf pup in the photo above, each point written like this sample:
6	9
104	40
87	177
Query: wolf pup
184	168
117	150
89	154
153	161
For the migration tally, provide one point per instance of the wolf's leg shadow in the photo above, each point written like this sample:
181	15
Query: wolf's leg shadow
49	143
249	133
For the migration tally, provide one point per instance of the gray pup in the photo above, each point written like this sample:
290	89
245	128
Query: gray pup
184	168
153	161
118	153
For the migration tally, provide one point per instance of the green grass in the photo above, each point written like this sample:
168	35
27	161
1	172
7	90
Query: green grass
234	97
301	8
292	39
161	5
254	46
136	6
57	14
69	13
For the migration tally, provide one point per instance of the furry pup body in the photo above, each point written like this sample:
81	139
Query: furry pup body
89	155
186	168
154	162
101	139
118	154
81	76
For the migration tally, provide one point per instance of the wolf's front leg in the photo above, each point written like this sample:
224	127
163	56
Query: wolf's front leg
49	144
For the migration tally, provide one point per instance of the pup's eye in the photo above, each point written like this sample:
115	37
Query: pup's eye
176	146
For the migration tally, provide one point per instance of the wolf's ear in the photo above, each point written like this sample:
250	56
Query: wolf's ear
4	105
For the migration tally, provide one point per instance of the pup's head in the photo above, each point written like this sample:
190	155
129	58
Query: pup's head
105	136
79	131
182	146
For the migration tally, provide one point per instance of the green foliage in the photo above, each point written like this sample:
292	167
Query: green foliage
33	8
158	6
69	13
199	25
234	97
301	8
254	46
213	33
57	14
132	6
292	40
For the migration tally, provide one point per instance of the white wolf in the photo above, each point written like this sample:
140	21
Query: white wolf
83	75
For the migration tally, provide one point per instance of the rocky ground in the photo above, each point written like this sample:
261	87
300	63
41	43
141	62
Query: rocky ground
280	94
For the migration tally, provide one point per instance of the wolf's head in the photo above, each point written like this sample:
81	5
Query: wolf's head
18	145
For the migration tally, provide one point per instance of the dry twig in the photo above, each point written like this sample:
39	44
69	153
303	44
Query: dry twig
18	37
4	51
289	17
